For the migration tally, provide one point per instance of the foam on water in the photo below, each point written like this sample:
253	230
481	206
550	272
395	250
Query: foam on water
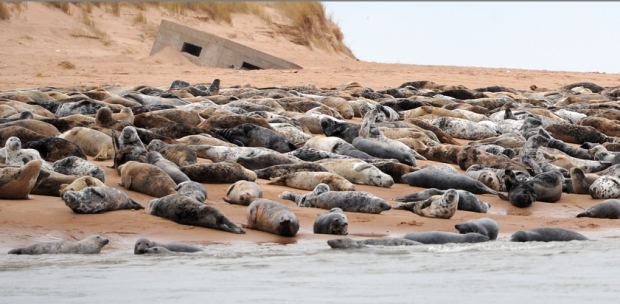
310	272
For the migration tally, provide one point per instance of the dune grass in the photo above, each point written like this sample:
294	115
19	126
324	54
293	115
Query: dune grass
5	14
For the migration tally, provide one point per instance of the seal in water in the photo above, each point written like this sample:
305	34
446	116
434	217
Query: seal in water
440	237
143	243
89	245
484	226
547	235
342	243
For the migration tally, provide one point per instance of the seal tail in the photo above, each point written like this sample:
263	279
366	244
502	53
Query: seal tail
16	251
134	205
583	214
277	181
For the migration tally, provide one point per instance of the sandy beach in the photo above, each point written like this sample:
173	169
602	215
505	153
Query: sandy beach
38	39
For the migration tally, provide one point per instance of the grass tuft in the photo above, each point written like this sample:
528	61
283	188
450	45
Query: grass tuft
63	6
139	19
5	14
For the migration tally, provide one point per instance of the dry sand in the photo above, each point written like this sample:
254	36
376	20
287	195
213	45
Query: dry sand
36	41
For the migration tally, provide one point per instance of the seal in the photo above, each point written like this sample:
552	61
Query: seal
81	183
23	134
220	154
358	172
218	173
350	201
582	181
547	235
343	243
436	206
309	154
441	237
336	145
484	226
92	142
33	125
576	134
147	179
309	180
333	222
51	182
377	149
605	187
269	216
370	131
520	193
267	160
394	170
462	128
609	209
73	165
250	135
204	140
192	189
243	193
232	121
344	130
104	119
467	200
156	159
16	183
282	170
469	156
55	148
16	156
435	178
92	200
188	211
89	245
487	177
180	155
143	244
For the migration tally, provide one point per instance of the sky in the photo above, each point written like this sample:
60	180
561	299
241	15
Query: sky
554	36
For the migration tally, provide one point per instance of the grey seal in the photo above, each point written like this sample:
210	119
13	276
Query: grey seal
484	226
282	170
333	222
250	135
143	244
436	206
88	245
547	235
156	159
74	165
98	199
192	189
188	211
350	201
441	237
343	243
243	193
609	209
467	200
269	216
435	178
222	172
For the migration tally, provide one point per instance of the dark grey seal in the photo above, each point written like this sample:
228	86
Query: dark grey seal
333	222
192	189
156	159
343	243
250	135
434	178
381	150
484	226
467	200
188	211
609	209
547	235
282	170
440	237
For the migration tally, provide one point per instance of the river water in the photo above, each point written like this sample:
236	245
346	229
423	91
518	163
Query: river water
312	272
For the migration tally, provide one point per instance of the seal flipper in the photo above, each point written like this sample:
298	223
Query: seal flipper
116	146
131	204
16	251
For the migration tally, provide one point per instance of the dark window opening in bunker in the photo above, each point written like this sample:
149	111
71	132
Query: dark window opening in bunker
249	66
191	49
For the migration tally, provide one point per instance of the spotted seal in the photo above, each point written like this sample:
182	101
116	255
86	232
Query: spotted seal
250	135
605	187
350	201
89	245
267	160
269	216
485	226
282	170
332	222
243	193
16	156
98	199
436	206
73	165
467	200
188	211
309	180
547	234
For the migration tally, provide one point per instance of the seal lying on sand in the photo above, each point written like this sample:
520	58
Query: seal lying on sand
143	243
16	183
243	193
333	222
98	199
435	178
269	216
484	226
192	189
89	245
188	211
609	209
351	201
467	201
74	165
436	206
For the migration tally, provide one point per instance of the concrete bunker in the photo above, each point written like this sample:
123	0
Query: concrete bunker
206	49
